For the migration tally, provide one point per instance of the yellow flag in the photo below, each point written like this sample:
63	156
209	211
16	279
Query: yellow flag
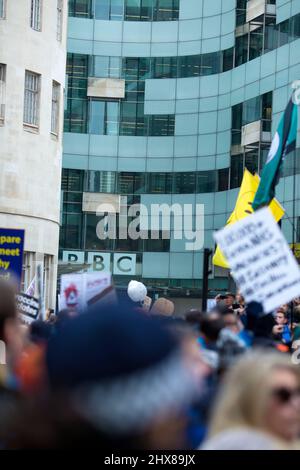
243	208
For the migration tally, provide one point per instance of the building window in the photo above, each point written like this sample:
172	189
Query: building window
2	92
55	107
2	9
109	10
101	182
165	10
77	101
32	98
59	26
36	15
105	67
241	12
104	117
80	8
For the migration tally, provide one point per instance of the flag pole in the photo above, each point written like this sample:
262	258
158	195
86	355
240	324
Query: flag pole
296	100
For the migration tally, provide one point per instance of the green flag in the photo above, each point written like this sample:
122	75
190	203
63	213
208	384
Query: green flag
283	143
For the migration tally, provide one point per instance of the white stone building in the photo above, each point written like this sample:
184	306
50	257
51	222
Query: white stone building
32	79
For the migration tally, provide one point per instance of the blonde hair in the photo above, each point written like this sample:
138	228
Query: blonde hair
243	397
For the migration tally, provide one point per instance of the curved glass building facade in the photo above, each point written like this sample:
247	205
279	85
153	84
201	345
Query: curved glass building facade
167	102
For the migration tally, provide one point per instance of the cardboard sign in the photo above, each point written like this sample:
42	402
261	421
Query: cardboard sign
78	291
27	307
11	254
260	260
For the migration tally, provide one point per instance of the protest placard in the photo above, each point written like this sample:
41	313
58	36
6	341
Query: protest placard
11	254
79	291
27	307
260	260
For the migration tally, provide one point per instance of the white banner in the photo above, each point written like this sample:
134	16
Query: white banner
77	291
260	260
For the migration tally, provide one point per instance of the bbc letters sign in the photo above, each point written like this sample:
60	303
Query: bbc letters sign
121	264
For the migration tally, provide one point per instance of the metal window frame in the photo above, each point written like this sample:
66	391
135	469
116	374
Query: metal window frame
36	15
2	91
60	16
2	9
55	108
32	93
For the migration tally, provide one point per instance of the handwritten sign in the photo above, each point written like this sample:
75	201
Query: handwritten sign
260	260
11	253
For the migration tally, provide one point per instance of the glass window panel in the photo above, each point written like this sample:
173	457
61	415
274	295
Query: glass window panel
189	66
92	242
101	67
184	183
160	183
228	59
72	180
77	116
116	10
72	197
97	117
161	125
160	245
236	171
102	9
256	43
72	231
252	110
112	118
223	179
271	37
206	182
237	115
241	50
146	10
101	182
284	32
132	183
295	27
128	118
251	160
133	10
210	63
80	8
166	10
241	9
115	67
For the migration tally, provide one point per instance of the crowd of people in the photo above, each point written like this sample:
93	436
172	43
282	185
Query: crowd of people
129	375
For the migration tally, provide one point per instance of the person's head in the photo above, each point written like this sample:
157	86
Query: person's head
262	391
230	298
281	317
284	308
211	325
48	314
231	322
163	306
11	332
40	331
239	299
296	314
117	379
194	317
